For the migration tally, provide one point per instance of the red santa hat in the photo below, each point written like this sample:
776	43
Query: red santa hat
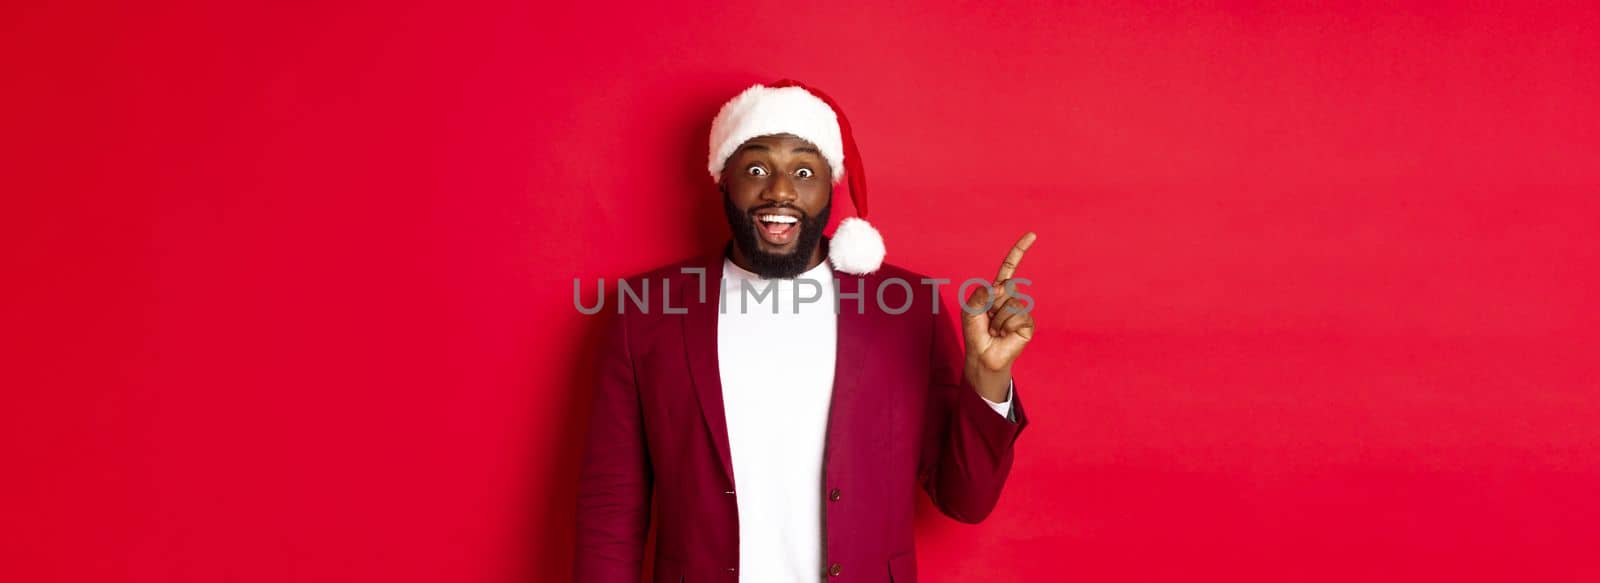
788	107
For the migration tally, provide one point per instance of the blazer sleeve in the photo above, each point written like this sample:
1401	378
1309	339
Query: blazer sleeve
615	480
966	448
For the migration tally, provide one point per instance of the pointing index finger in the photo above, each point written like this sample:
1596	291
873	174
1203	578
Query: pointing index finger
1013	259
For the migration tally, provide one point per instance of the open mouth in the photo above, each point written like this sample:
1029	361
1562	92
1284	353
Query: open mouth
777	229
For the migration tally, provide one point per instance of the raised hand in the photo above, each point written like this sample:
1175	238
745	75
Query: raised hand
996	336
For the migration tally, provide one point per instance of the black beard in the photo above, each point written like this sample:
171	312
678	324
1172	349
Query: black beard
775	265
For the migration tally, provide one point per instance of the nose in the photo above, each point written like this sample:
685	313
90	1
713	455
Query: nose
780	189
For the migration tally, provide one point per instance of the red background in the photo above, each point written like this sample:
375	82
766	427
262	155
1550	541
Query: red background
289	287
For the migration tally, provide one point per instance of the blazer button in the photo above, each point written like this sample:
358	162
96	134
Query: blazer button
834	570
834	495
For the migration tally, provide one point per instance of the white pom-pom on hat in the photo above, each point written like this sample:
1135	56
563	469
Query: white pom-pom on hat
788	107
856	247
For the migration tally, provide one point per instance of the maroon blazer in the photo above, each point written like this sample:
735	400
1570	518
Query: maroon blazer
902	417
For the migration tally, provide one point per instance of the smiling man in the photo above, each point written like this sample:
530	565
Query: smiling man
777	231
785	420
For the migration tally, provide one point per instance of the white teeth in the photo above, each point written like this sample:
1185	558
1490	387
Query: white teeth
778	219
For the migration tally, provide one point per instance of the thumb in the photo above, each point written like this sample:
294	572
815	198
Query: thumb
975	315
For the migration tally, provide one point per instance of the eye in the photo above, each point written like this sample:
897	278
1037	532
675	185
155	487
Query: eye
803	173
756	171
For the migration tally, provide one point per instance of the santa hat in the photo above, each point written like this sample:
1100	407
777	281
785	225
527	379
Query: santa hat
787	107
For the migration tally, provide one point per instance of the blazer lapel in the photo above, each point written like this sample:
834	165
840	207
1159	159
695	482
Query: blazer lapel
853	343
700	342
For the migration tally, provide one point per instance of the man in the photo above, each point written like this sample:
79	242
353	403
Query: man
786	419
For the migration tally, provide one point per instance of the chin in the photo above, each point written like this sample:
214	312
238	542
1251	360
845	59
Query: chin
784	251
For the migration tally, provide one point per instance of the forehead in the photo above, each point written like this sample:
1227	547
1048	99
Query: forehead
780	143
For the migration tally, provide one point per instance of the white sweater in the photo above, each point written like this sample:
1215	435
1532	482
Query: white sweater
777	381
